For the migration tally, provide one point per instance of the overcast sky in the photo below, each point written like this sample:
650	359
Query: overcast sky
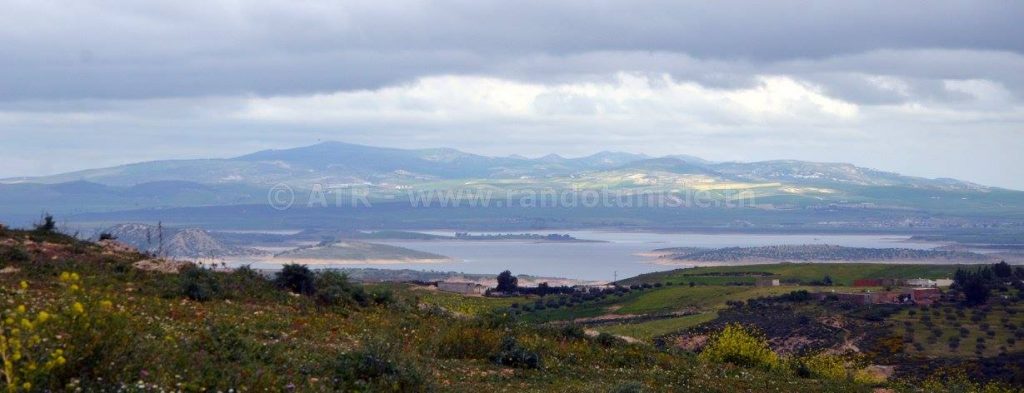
923	88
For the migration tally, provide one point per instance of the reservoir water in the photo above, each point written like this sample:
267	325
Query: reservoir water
616	256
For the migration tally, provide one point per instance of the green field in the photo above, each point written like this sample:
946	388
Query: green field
663	300
648	330
466	305
841	273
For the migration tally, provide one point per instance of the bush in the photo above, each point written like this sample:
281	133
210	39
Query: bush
572	331
14	254
47	225
511	354
199	284
378	367
737	345
246	283
607	340
296	278
334	289
821	366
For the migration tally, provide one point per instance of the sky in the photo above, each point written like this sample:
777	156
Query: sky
932	89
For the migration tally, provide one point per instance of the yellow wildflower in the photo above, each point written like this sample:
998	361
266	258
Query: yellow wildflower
21	309
61	360
78	307
65	276
74	277
24	285
26	324
26	386
43	316
106	304
74	287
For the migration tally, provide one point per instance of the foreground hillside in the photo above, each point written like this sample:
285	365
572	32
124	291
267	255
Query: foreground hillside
94	317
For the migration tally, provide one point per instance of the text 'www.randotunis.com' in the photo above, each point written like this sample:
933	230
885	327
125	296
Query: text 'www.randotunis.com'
283	197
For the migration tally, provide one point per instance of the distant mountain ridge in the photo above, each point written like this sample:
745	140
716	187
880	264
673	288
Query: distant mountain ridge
343	161
387	173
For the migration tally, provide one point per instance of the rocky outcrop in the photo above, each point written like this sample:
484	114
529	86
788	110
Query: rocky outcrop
175	242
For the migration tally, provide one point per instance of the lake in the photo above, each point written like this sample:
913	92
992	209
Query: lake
617	257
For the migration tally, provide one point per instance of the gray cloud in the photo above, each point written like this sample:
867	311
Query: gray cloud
930	89
125	49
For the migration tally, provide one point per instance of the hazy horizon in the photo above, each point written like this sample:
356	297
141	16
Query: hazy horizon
532	156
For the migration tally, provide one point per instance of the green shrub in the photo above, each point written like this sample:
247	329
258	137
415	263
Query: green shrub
47	225
377	367
737	345
334	289
199	284
607	340
821	366
382	297
572	331
296	278
14	254
512	354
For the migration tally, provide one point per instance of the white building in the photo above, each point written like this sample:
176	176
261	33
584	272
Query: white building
921	283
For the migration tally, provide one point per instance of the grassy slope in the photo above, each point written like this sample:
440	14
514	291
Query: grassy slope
257	338
650	329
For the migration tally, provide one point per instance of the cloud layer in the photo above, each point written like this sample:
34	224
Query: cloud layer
927	90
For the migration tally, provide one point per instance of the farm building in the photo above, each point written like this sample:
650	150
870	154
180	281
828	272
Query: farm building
925	295
914	296
920	283
767	282
465	288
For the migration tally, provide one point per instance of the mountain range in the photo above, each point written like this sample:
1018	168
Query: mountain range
387	172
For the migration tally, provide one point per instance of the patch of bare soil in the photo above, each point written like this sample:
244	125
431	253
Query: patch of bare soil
160	265
627	339
689	342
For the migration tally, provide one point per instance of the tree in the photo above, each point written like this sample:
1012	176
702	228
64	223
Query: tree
826	280
974	285
47	225
296	278
507	282
1002	270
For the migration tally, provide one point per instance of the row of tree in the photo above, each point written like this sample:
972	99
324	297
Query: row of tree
977	284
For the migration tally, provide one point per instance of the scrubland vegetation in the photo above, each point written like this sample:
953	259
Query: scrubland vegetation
78	316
